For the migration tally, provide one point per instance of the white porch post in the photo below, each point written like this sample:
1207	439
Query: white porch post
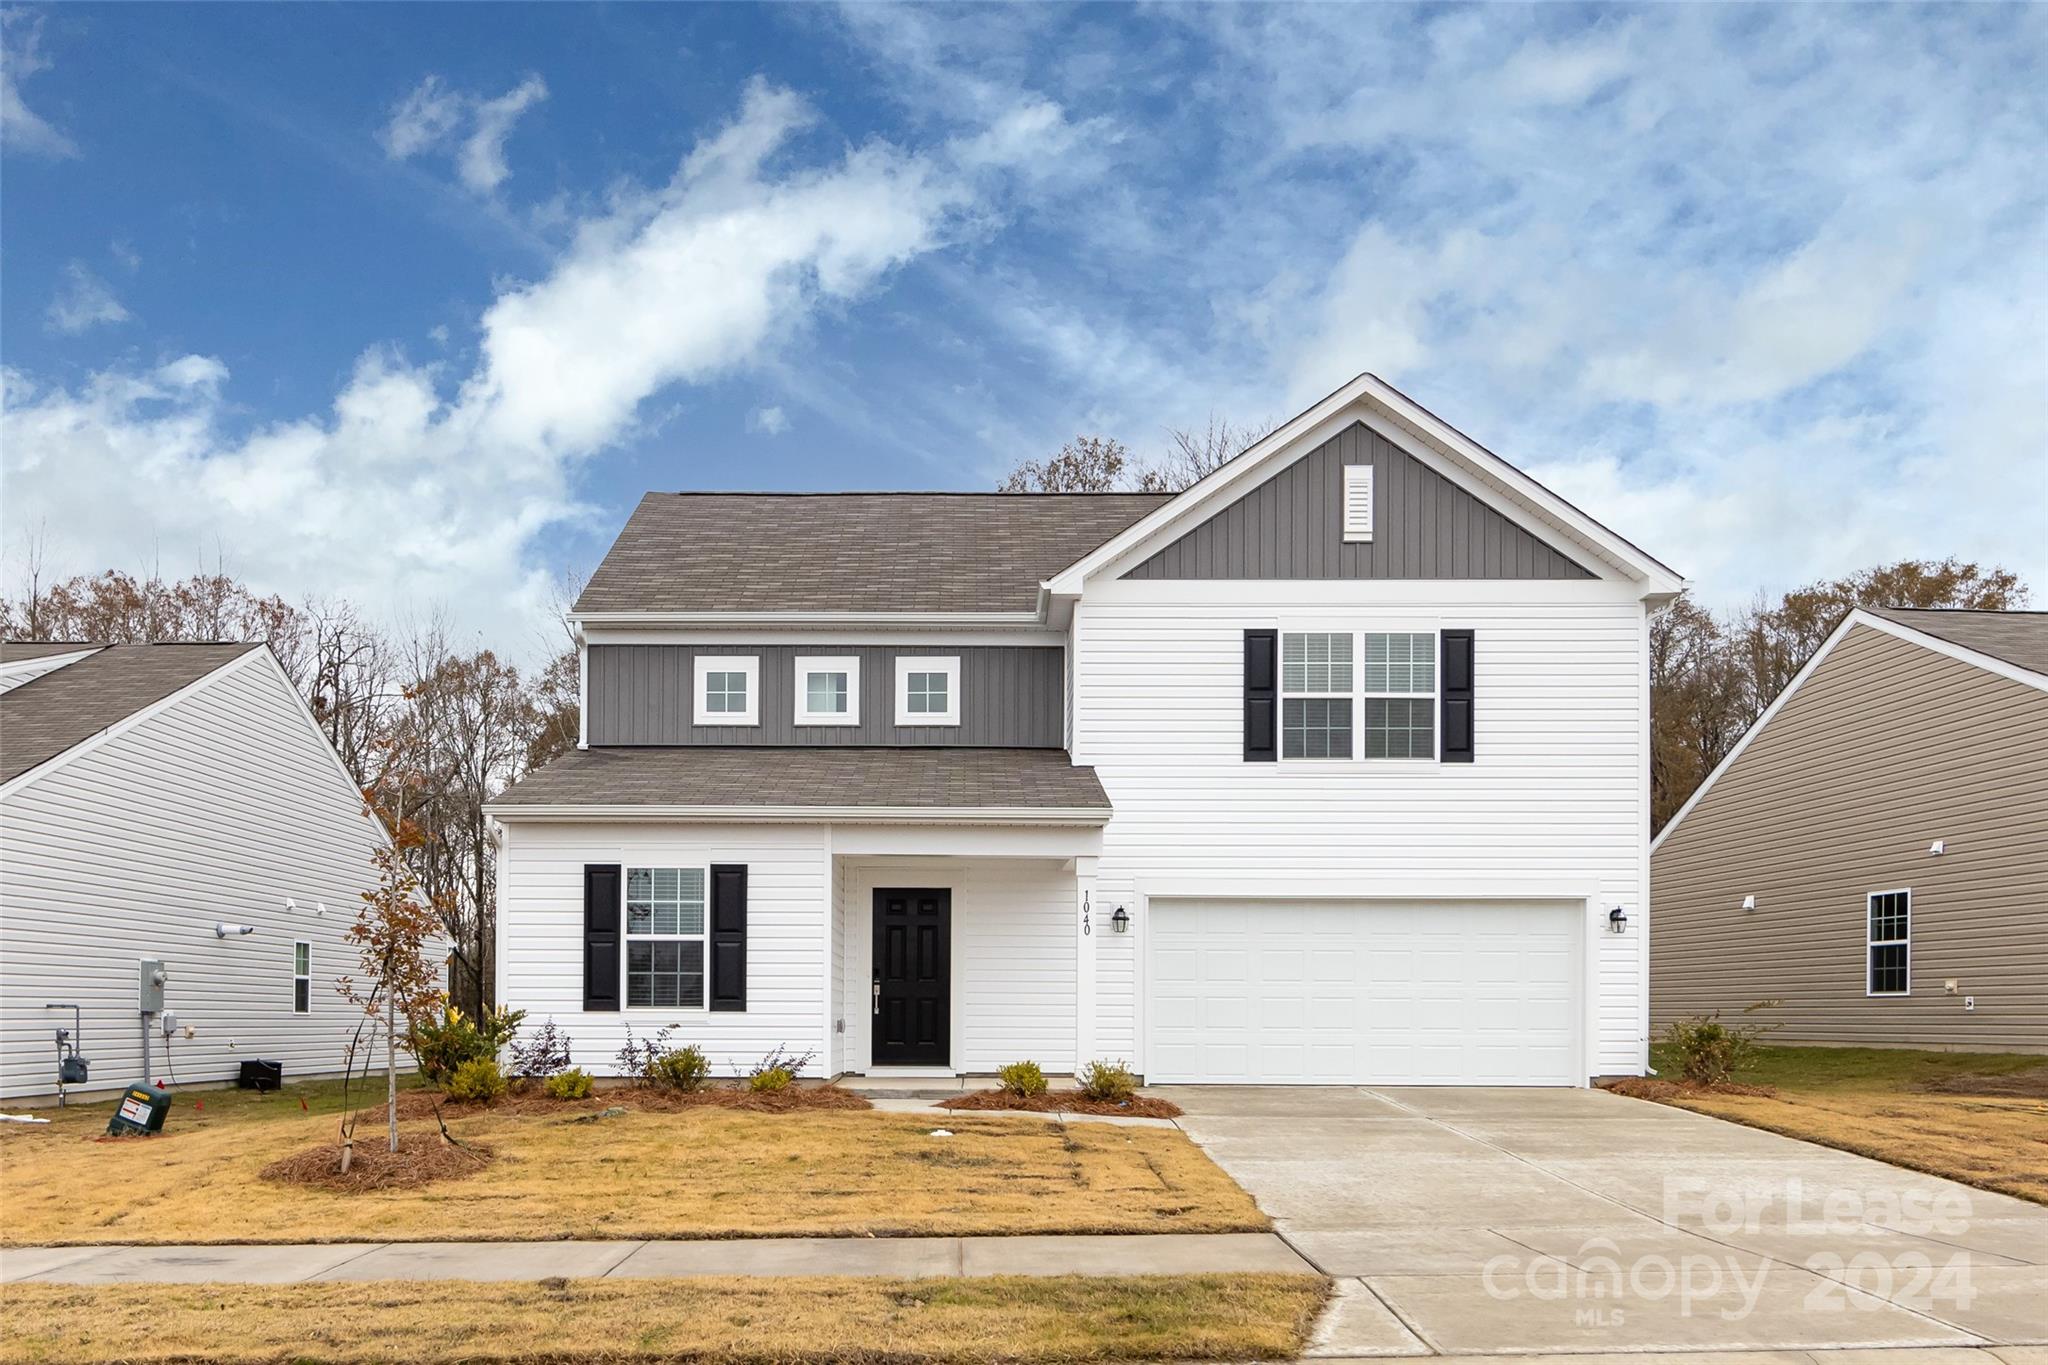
1088	922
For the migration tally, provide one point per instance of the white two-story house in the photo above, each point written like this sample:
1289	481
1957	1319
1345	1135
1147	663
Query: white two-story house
1332	768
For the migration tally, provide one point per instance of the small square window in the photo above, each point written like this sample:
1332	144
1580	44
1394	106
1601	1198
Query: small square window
828	691
927	691
728	689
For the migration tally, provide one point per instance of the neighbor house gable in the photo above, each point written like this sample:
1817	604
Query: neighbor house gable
1417	433
1858	620
1404	521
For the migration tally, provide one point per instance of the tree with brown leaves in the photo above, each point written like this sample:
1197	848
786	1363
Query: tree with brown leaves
400	985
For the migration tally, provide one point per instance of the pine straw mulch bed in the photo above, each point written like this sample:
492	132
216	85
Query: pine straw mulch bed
531	1099
1066	1102
421	1159
1653	1088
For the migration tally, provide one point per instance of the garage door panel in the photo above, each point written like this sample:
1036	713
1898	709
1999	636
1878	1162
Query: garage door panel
1363	993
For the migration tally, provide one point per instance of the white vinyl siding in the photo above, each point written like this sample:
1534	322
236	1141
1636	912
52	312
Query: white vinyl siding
1554	804
221	806
540	908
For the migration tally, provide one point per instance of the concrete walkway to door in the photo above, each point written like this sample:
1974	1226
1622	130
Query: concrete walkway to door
1485	1221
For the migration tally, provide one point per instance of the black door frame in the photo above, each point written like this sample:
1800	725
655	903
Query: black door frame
944	1046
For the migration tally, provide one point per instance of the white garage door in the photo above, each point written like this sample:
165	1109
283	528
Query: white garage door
1316	993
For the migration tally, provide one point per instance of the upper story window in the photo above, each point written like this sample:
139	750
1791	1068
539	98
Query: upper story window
728	689
1400	695
665	937
828	690
1890	943
927	690
1315	695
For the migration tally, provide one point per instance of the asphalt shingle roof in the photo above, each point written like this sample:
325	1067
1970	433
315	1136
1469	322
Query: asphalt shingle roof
21	651
915	778
2018	637
852	551
67	706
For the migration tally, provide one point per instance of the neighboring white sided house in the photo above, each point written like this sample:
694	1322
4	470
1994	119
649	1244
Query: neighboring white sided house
1330	769
156	802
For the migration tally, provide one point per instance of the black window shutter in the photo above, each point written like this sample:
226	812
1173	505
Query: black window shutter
1261	696
1456	672
728	936
601	936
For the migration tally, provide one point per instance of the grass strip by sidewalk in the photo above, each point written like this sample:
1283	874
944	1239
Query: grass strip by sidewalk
710	1321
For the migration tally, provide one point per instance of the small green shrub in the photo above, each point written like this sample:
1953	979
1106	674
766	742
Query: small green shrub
770	1080
573	1084
477	1081
683	1068
1110	1081
1710	1052
1023	1079
442	1047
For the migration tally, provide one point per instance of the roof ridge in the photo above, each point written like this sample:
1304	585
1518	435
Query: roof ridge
902	493
1966	611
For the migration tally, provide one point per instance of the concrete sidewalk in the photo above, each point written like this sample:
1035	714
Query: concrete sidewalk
908	1257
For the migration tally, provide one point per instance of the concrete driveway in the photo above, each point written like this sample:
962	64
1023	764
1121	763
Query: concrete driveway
1477	1221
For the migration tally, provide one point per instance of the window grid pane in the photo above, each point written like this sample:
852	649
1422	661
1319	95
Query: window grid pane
928	694
1400	728
725	693
825	694
1315	727
302	958
302	996
664	947
1315	662
1400	663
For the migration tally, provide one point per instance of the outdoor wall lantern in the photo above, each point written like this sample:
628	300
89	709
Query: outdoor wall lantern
1121	920
1617	920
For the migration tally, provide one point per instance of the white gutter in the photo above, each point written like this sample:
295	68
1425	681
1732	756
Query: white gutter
812	815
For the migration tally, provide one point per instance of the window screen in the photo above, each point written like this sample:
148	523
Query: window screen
1400	691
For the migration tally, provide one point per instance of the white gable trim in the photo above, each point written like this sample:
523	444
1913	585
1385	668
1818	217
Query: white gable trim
1367	398
1858	617
14	674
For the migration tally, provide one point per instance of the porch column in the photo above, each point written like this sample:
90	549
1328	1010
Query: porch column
1088	922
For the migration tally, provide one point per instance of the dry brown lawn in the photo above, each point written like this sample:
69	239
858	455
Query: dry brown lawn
1992	1143
713	1321
700	1173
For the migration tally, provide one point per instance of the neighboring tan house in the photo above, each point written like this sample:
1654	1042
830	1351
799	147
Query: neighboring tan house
156	799
1330	769
1874	854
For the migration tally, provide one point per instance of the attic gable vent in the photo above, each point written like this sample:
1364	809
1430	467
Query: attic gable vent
1357	502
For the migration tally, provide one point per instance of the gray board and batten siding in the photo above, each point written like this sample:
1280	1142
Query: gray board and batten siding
1424	526
1011	696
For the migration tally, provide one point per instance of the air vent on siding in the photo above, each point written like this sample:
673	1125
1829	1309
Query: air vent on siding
1357	502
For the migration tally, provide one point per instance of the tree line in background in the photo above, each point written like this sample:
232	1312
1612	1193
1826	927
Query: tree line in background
429	731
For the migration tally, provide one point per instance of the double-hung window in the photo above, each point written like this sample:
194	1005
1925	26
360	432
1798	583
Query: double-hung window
1315	695
927	690
1400	695
665	937
1890	945
302	978
828	690
728	689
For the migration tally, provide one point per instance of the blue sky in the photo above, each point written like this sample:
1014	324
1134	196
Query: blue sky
410	303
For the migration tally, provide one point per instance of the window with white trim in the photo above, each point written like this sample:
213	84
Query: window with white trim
1890	943
1400	694
728	689
828	690
665	937
1315	695
302	977
927	690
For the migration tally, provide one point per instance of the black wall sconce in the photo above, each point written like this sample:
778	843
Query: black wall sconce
1617	920
1121	920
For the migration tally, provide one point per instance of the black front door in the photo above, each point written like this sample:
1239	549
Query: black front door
913	976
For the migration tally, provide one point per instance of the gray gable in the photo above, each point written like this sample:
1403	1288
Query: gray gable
1424	526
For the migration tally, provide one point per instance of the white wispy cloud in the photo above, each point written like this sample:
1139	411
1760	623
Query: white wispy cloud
419	485
433	116
22	129
83	301
769	421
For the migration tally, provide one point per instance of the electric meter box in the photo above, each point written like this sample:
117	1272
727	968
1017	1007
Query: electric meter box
150	985
140	1112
